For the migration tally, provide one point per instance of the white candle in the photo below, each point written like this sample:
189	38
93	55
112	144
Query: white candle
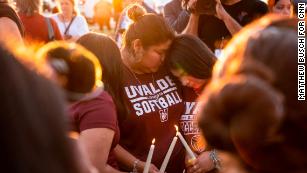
168	155
185	144
149	157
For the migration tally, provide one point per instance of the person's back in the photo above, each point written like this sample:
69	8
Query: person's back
37	27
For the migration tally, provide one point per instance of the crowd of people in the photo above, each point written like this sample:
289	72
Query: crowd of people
223	71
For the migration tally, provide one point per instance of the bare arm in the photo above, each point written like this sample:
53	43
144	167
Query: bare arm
97	143
9	32
192	27
127	160
232	25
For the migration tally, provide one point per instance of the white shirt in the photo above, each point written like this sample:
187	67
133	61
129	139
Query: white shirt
78	27
88	8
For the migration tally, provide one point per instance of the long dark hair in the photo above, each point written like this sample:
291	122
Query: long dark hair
109	57
33	130
190	54
78	68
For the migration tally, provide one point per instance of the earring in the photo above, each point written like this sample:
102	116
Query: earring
185	82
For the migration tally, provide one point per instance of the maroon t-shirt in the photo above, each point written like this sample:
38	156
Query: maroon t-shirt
155	105
188	124
99	112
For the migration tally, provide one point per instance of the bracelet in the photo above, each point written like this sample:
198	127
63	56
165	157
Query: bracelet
215	159
134	170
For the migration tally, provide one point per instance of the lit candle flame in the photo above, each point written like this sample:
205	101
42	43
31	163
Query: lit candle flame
176	128
153	141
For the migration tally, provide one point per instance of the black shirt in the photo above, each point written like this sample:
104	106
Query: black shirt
7	11
213	30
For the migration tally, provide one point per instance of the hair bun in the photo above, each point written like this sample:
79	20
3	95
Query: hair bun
243	114
135	12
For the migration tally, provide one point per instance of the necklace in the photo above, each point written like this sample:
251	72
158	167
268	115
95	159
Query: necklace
137	79
157	95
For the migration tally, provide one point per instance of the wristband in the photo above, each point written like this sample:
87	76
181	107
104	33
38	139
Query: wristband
215	159
134	170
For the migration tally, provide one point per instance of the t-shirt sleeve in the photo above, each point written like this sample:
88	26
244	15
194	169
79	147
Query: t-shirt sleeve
82	26
57	32
99	113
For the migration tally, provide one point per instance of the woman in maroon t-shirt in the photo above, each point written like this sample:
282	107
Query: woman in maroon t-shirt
192	62
92	110
109	57
152	96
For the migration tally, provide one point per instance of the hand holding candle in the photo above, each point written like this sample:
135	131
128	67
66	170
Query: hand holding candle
149	157
185	144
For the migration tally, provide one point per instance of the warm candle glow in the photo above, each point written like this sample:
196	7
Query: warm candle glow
153	141
185	144
73	135
176	128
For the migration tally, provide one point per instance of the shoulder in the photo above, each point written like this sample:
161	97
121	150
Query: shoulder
103	101
97	112
9	24
7	20
101	105
106	98
80	20
9	30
